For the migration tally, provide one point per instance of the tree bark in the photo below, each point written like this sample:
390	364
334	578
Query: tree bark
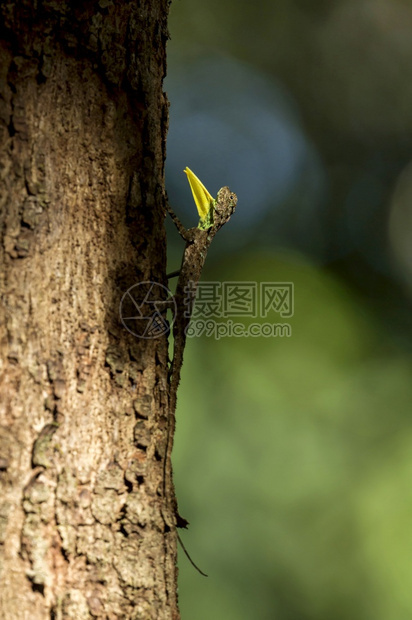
83	403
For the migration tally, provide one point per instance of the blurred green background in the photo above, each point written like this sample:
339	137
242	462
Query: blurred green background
293	455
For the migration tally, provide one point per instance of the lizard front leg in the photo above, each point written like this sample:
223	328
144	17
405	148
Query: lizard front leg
185	233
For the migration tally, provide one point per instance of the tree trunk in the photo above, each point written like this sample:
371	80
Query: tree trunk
83	402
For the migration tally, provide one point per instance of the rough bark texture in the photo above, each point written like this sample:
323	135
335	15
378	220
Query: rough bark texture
83	403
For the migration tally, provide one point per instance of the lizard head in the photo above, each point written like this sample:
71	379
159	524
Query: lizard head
226	202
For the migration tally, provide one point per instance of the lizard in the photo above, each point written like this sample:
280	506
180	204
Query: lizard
214	213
